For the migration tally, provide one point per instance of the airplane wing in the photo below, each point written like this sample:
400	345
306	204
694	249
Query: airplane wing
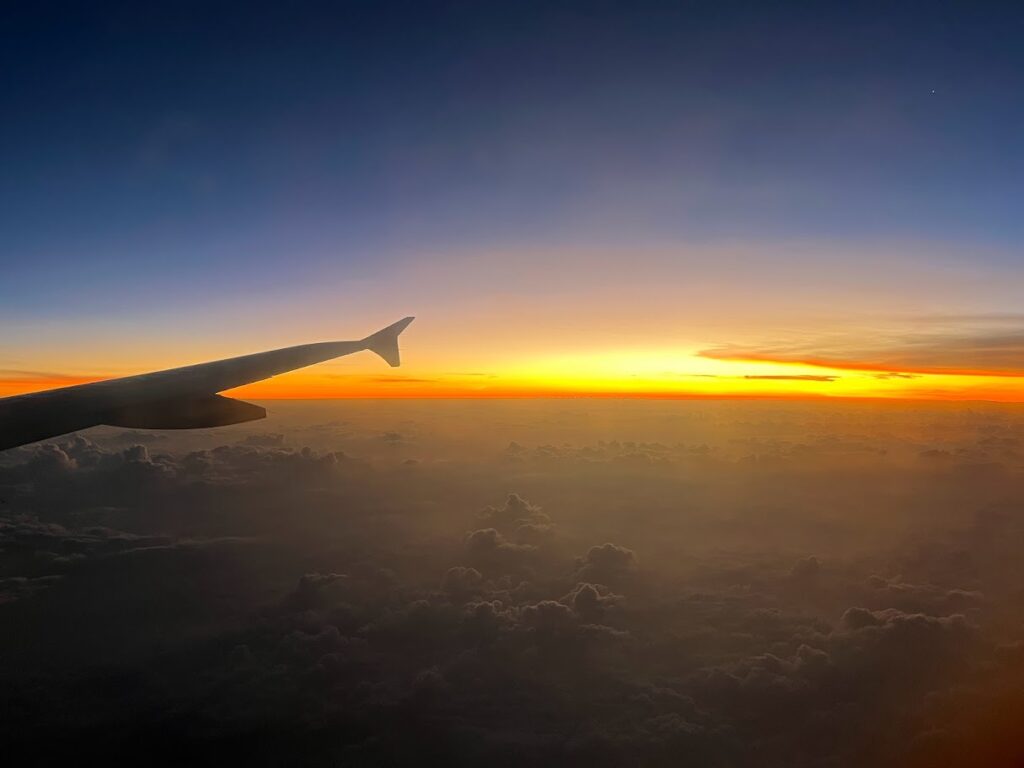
180	398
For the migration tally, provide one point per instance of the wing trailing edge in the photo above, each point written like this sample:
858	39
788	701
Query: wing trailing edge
185	413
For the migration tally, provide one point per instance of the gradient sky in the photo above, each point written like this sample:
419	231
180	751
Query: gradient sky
668	199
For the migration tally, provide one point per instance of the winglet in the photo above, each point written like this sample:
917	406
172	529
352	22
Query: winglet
385	341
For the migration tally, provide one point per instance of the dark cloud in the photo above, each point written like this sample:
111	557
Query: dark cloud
794	377
17	587
462	583
490	550
268	440
400	380
895	375
608	563
514	514
592	602
806	570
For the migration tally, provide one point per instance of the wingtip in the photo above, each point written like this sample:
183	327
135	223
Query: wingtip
385	341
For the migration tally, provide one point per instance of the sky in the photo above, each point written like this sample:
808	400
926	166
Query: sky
646	199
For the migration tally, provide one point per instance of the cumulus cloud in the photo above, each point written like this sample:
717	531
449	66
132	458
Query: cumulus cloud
527	523
607	563
490	550
462	583
591	602
806	570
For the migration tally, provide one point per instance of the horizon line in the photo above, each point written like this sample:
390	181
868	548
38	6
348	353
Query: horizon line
654	396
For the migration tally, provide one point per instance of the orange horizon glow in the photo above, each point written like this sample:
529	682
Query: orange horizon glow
806	320
748	377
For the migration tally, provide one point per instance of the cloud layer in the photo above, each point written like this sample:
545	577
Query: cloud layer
623	584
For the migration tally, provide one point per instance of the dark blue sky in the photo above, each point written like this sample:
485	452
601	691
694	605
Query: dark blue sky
201	145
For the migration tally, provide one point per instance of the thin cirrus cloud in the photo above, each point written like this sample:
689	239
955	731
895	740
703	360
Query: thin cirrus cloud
13	374
798	377
16	381
997	355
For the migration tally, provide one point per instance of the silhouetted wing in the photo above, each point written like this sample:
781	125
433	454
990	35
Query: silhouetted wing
179	398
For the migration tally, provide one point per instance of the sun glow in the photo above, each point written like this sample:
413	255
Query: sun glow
654	373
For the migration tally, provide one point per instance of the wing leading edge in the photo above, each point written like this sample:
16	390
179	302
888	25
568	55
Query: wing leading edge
179	398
